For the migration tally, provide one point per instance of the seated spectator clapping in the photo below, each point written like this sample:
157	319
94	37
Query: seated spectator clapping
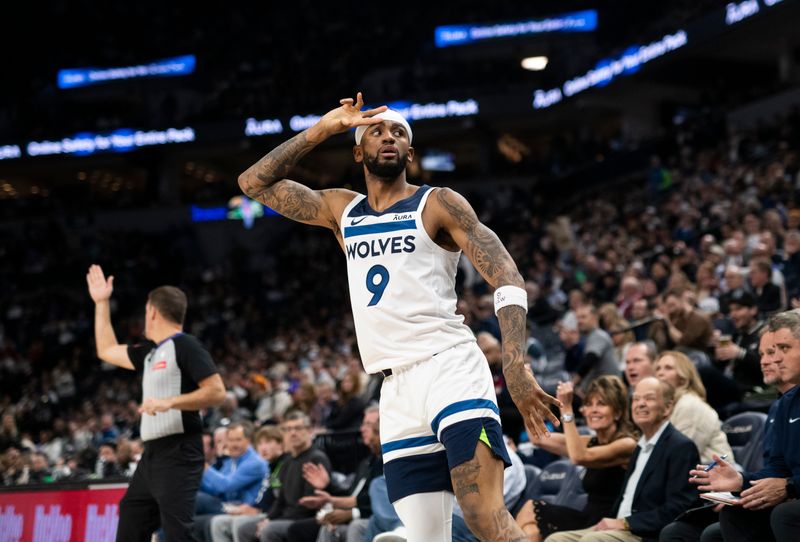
605	456
655	491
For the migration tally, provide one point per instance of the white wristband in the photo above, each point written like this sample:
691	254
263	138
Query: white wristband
510	295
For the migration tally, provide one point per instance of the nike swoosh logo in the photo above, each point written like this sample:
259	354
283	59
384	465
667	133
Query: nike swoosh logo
357	220
792	420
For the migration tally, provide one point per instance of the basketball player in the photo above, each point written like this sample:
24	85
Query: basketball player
440	429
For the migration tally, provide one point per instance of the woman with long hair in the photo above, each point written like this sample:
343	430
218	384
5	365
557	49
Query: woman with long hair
692	415
349	408
305	396
604	455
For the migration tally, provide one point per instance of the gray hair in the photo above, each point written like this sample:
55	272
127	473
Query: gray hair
246	426
649	346
786	320
298	415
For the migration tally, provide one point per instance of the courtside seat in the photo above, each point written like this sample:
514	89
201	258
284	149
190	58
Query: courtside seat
559	483
532	473
572	494
745	433
548	484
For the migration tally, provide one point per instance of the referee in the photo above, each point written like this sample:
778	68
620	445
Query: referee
178	379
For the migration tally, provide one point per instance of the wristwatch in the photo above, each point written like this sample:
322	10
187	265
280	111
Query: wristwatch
567	417
625	525
791	488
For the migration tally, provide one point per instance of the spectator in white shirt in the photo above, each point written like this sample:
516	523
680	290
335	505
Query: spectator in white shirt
655	491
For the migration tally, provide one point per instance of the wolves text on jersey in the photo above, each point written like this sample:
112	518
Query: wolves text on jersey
379	247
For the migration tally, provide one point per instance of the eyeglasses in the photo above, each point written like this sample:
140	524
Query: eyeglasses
293	428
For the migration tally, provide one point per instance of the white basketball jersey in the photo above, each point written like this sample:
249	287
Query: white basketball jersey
402	284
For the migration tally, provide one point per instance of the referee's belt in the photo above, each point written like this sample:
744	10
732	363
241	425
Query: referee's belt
386	373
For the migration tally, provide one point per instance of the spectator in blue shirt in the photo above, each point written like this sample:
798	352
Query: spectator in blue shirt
237	481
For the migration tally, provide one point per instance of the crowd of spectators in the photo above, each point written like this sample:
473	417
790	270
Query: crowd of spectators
709	235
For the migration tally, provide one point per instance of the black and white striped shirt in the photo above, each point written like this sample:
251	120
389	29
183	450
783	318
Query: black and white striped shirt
173	367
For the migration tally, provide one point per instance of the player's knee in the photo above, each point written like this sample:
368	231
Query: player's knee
472	507
478	486
484	520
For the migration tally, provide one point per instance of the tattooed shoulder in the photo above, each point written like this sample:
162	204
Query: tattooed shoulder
294	201
458	210
480	244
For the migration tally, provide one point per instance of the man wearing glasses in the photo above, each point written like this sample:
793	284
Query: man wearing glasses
297	439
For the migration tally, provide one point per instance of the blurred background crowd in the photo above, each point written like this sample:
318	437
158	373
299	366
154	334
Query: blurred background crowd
691	253
662	209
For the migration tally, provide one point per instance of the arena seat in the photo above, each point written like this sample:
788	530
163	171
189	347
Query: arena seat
532	473
745	432
572	493
559	483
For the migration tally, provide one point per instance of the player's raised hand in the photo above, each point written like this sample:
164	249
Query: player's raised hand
533	402
99	288
349	115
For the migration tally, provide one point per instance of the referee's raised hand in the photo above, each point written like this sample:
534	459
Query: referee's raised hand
100	288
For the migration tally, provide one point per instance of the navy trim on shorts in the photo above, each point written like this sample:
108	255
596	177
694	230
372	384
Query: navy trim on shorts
425	473
461	406
407	443
461	439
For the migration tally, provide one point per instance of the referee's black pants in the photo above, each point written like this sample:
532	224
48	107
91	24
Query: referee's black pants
163	490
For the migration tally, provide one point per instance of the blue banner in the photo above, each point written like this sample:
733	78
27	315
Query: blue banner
121	140
168	67
579	21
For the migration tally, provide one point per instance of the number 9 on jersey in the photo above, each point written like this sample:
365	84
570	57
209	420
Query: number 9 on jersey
377	280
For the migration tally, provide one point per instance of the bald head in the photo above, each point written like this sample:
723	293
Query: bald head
490	347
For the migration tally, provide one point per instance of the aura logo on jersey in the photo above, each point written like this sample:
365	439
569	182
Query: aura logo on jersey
379	247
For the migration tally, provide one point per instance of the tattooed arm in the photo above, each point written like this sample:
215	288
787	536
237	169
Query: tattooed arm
265	180
456	221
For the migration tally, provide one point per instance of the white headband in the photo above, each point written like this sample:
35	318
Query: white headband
389	114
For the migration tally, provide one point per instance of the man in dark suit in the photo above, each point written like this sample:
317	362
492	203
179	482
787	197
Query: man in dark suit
656	489
768	293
